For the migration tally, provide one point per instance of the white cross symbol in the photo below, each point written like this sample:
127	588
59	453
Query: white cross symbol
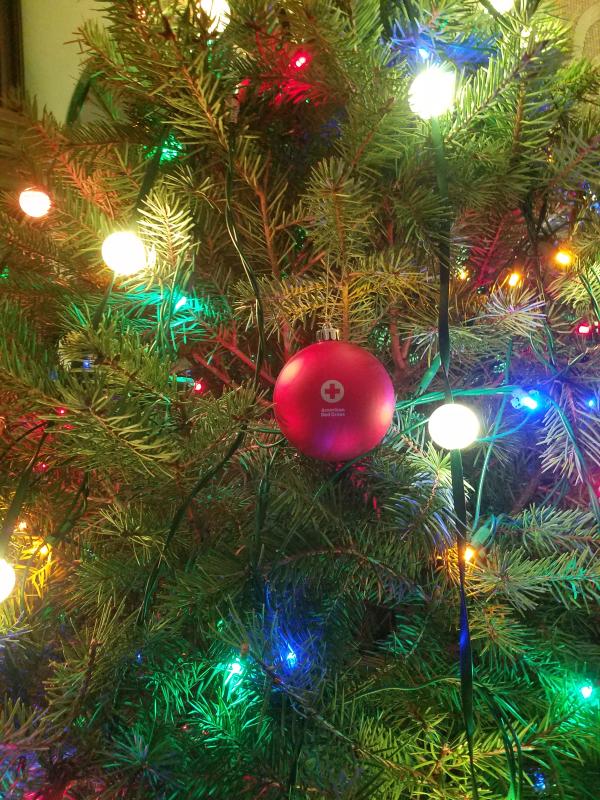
332	391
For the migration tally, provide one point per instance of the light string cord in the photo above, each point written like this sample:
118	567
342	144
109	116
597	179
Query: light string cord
152	582
456	467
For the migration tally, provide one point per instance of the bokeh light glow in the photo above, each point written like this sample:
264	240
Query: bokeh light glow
431	93
7	579
124	253
453	426
34	202
218	11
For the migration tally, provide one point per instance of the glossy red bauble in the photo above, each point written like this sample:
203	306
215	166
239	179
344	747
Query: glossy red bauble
334	401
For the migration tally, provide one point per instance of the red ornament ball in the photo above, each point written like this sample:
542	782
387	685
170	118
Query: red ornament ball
334	401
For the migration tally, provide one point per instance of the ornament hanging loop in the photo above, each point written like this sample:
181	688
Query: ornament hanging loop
328	333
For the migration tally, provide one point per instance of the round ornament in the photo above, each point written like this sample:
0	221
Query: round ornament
334	401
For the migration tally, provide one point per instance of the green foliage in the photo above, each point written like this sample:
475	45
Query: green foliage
224	617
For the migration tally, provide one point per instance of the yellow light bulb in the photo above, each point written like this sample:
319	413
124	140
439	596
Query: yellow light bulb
34	202
462	274
7	579
218	11
22	526
564	258
453	426
469	553
514	279
431	93
44	550
124	252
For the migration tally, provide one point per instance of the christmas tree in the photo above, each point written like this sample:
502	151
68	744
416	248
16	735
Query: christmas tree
212	592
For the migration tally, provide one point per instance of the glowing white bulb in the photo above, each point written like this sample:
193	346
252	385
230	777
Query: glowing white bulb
7	579
586	691
124	253
453	426
34	202
502	6
218	11
432	92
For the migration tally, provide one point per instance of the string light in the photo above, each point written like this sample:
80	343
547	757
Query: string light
291	658
22	526
34	202
431	93
61	411
514	279
469	553
539	781
529	400
300	60
218	11
124	253
198	387
586	691
564	258
180	303
584	328
234	670
462	274
591	402
502	6
7	579
453	426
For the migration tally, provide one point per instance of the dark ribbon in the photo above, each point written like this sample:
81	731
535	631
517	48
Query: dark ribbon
456	467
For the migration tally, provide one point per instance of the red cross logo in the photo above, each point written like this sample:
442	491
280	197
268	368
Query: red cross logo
332	391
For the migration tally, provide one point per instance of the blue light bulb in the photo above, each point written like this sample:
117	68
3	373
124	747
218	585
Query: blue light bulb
291	658
423	52
591	403
530	402
539	781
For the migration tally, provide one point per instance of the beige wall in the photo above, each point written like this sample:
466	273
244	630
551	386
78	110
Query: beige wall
51	65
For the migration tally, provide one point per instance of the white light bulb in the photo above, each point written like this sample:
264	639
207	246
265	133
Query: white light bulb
7	579
453	426
34	202
432	92
124	253
218	11
502	6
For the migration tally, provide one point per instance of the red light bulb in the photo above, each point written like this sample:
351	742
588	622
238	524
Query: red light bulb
300	60
61	411
198	387
584	328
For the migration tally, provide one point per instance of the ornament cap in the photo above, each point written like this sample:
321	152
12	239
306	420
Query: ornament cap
328	333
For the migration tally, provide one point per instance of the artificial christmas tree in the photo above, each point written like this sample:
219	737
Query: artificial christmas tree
199	609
